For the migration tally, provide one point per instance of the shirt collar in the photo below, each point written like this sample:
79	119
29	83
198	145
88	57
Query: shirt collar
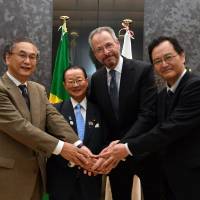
118	67
12	78
83	103
175	85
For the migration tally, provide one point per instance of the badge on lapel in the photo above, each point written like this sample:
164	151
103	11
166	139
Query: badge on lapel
93	123
71	121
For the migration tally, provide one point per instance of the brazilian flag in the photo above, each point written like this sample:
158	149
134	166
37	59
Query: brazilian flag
57	92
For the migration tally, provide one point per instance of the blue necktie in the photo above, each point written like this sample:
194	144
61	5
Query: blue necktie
113	91
80	124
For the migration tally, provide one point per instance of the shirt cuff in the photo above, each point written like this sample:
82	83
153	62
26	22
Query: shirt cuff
58	148
78	143
128	150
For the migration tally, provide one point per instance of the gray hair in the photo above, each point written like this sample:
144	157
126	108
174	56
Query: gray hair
99	30
11	45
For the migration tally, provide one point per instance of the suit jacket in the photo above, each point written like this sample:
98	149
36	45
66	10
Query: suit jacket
136	115
68	180
136	99
24	143
177	138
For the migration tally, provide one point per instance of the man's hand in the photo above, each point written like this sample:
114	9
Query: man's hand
91	161
113	155
76	155
113	143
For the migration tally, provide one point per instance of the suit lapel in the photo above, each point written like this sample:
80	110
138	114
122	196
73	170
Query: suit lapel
163	95
17	97
105	87
161	109
179	89
35	103
68	112
126	80
88	120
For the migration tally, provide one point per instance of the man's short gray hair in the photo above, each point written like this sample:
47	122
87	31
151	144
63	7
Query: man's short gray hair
99	30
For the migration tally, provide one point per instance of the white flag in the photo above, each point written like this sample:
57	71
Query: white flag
126	49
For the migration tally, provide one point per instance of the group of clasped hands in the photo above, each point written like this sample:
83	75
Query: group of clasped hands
102	163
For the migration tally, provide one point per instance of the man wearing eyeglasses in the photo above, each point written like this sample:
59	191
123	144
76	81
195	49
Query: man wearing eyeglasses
70	183
176	136
125	92
30	127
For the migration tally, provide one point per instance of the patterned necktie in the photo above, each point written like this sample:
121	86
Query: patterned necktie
80	124
113	91
24	91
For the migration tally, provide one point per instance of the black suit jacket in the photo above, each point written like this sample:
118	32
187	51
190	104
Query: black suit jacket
62	180
177	137
137	97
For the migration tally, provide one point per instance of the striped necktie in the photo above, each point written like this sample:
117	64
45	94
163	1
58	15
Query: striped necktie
24	91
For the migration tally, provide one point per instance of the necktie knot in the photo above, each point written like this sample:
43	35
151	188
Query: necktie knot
170	93
23	88
78	107
112	73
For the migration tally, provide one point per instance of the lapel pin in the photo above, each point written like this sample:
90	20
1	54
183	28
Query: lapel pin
90	123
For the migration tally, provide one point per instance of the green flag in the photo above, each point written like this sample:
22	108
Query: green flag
57	92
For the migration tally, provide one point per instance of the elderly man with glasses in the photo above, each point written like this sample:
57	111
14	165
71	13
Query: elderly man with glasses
30	127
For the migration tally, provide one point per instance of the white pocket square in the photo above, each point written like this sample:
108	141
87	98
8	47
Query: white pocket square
96	125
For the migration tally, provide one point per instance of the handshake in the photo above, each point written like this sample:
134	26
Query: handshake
93	164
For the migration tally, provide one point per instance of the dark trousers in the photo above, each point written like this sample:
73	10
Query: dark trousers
148	169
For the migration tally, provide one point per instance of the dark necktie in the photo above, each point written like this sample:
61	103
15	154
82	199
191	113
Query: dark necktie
169	99
80	123
113	91
24	91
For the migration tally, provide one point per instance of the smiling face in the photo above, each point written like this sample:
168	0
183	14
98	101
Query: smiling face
106	49
22	60
76	84
167	62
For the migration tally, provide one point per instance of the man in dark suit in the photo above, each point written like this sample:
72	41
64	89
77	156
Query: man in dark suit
70	183
176	136
127	103
30	127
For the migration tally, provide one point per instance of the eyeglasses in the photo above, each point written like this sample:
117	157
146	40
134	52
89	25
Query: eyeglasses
23	56
75	82
108	47
167	58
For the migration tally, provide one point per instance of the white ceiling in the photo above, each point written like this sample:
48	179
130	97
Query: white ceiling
92	13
